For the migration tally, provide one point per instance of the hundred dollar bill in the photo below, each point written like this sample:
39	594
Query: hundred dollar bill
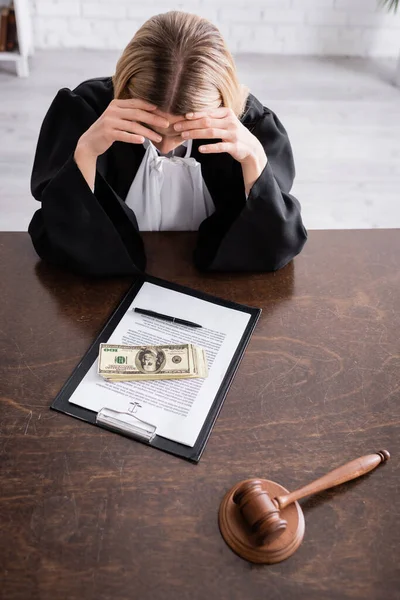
136	363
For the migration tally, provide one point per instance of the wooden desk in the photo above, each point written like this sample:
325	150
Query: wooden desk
85	513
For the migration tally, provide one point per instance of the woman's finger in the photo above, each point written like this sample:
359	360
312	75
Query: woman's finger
138	128
218	147
203	123
131	138
143	116
209	133
134	127
133	103
218	113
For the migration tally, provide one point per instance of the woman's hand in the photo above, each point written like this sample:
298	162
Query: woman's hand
122	121
222	123
237	140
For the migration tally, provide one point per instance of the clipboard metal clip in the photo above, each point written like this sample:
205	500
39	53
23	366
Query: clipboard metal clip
127	423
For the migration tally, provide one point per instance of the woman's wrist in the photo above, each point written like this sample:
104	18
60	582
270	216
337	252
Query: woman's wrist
86	162
84	150
252	167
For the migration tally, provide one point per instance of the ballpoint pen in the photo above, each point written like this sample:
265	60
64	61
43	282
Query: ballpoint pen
151	313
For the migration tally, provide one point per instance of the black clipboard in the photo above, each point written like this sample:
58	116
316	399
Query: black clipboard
193	453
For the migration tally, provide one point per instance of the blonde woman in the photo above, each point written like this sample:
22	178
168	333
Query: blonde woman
171	141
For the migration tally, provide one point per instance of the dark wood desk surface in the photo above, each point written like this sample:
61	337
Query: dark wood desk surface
85	513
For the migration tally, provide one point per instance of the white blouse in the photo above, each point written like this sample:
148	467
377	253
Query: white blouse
168	192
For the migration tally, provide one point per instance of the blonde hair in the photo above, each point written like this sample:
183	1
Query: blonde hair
181	63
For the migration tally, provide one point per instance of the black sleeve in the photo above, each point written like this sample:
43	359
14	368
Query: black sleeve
90	233
266	232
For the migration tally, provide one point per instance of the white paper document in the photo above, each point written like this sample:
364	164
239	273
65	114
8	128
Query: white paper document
177	408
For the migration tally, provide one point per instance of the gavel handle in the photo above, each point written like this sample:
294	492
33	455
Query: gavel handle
347	472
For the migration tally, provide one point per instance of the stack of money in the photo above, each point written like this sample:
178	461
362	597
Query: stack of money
138	363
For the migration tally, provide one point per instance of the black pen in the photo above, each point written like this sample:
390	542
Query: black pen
151	313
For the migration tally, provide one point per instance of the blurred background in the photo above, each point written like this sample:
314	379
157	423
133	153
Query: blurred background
329	68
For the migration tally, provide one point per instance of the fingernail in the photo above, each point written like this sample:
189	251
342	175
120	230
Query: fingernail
185	134
158	138
189	115
203	148
178	127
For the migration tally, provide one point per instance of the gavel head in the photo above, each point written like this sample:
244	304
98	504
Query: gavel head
259	512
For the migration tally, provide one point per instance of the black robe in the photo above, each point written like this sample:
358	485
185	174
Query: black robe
98	234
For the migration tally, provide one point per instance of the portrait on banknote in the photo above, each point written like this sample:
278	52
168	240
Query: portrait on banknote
150	361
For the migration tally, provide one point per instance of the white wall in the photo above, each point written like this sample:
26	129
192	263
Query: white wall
332	27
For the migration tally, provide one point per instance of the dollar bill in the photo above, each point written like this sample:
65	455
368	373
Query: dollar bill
137	363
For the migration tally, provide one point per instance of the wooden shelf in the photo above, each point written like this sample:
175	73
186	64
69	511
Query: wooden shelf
24	36
14	55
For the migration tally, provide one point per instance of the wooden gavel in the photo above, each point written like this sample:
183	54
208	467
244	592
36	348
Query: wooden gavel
260	510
